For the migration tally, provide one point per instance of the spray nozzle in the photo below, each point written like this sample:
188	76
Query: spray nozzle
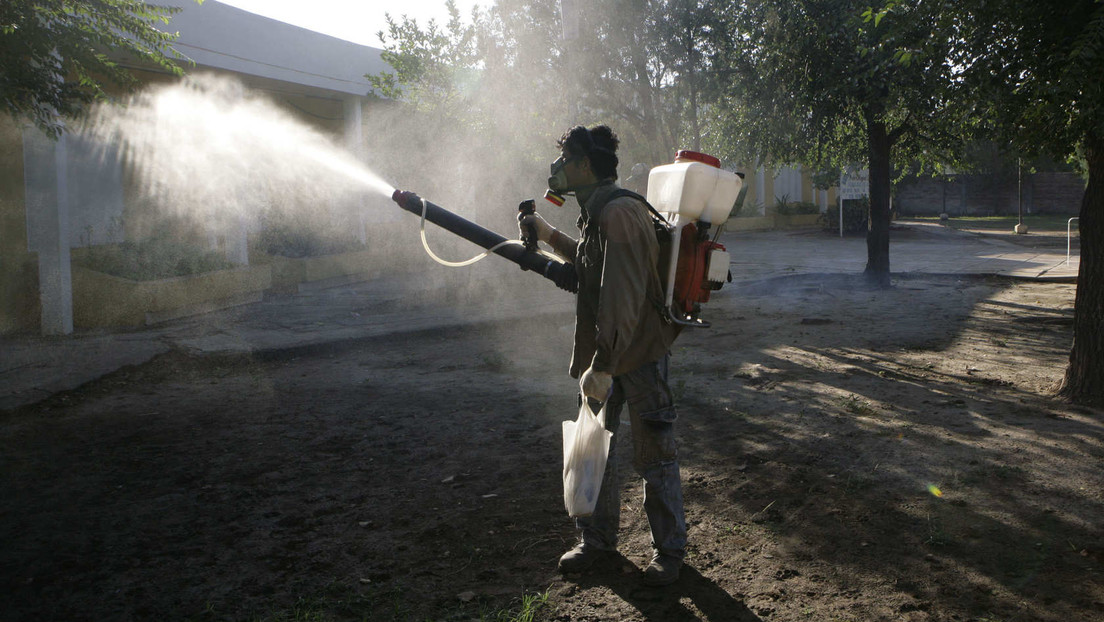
404	198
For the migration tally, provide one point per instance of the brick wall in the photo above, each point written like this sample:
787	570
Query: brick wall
987	195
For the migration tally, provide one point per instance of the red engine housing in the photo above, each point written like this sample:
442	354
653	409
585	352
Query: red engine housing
691	286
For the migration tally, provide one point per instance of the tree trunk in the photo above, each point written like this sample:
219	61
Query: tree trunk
1084	380
877	236
657	149
695	126
691	77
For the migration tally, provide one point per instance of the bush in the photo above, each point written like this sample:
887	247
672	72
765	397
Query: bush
855	216
160	257
747	209
785	207
288	229
296	242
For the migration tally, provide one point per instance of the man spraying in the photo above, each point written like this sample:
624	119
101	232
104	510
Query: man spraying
622	346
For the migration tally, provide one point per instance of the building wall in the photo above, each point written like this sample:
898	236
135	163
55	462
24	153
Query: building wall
789	186
984	195
18	267
1057	193
317	78
766	186
95	193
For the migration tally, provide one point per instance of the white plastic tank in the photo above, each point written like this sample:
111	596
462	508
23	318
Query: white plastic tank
694	187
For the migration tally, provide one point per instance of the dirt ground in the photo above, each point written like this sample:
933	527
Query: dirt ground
846	455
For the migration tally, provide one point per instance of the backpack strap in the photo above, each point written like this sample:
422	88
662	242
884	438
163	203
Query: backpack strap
663	236
625	192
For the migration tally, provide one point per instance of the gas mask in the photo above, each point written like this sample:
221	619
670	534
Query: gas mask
557	180
558	186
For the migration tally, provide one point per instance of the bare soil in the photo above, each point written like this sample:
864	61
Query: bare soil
847	455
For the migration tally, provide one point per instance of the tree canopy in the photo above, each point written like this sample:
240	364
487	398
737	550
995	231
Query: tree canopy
1033	70
56	55
646	68
825	83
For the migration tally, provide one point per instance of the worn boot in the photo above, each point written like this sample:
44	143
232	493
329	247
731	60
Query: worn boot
581	557
664	570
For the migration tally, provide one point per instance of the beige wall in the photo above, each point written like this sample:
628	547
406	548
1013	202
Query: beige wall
18	268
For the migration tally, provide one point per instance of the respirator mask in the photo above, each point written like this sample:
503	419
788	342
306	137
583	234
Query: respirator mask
558	175
558	186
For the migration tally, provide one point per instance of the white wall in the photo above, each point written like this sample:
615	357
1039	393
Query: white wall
95	193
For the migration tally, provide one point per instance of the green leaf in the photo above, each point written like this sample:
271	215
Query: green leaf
53	59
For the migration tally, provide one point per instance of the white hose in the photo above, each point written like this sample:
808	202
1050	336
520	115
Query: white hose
461	264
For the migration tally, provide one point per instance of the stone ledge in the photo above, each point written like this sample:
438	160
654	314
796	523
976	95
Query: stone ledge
101	300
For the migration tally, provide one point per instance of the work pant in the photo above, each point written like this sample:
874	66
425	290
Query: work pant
655	458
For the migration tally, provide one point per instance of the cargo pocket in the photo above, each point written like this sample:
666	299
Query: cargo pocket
653	435
667	414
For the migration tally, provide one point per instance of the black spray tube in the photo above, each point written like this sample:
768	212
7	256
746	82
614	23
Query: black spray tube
560	273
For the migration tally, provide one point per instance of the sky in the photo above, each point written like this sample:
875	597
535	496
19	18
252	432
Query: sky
353	20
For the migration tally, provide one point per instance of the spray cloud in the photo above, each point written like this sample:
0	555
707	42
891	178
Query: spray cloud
207	149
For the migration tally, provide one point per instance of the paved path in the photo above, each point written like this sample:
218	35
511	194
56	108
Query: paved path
33	368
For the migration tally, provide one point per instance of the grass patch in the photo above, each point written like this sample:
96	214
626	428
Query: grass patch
303	611
937	533
525	611
855	405
530	604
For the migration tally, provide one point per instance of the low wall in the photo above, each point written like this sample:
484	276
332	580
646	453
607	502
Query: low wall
19	304
750	223
290	274
796	221
101	300
773	221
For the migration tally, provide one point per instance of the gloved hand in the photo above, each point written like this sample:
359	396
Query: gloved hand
544	230
597	385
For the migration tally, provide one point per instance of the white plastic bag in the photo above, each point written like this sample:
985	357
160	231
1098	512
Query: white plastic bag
586	447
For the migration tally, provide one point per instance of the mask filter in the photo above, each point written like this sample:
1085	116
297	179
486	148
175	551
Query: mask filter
555	198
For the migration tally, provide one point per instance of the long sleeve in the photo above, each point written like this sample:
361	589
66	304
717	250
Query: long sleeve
563	245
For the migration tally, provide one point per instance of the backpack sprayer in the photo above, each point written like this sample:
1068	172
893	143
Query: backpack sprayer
692	195
687	199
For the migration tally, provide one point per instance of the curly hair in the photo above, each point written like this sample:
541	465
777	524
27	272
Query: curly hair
598	143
